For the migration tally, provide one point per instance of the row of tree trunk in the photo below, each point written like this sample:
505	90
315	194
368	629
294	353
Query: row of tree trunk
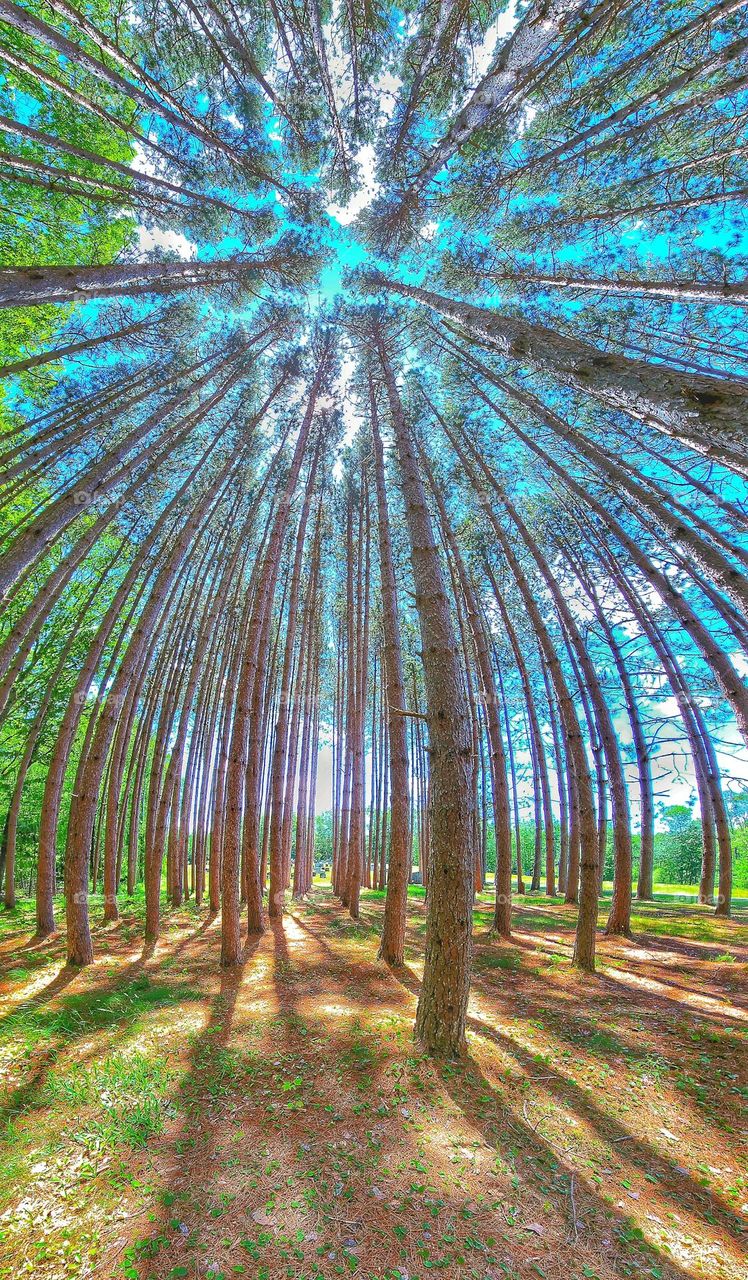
264	611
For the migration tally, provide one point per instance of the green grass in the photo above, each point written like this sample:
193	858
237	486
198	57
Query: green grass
90	1011
681	893
490	959
264	1094
123	1098
673	912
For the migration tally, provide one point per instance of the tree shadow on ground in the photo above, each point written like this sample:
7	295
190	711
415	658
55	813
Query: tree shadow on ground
486	1108
286	1060
58	1025
190	1179
709	1206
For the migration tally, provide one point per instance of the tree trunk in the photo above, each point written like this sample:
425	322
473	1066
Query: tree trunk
442	1005
502	87
693	408
490	703
72	349
719	662
584	951
244	753
280	746
39	286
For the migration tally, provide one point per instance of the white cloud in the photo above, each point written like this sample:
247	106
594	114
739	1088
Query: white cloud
143	161
498	32
350	411
367	191
387	88
529	112
157	238
233	119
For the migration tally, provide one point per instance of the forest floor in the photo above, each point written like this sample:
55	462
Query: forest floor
165	1119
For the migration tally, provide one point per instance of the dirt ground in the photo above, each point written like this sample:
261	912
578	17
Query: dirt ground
162	1118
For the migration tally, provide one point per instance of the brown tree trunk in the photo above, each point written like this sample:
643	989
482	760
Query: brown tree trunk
515	792
358	798
732	686
584	951
644	890
341	887
535	731
490	703
73	348
713	810
442	1005
245	750
691	407
561	788
306	797
280	746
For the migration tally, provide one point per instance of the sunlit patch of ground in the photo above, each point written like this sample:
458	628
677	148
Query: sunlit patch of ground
165	1119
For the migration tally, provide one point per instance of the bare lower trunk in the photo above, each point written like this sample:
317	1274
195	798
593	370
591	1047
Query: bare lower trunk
442	1005
480	474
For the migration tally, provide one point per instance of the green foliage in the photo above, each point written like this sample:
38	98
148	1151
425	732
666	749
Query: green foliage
677	855
678	851
39	226
738	811
123	1099
323	837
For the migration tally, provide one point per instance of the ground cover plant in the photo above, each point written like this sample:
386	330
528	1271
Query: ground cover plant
167	1118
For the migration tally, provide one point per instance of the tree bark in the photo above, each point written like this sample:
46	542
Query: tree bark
39	286
584	950
500	90
73	349
280	746
693	408
242	776
85	798
490	702
442	1004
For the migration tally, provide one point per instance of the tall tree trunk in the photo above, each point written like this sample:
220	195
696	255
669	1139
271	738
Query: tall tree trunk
73	348
732	686
490	702
39	286
442	1005
584	949
644	890
246	746
358	798
691	407
502	87
671	290
279	755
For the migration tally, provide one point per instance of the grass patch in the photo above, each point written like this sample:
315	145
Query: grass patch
488	959
78	1014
